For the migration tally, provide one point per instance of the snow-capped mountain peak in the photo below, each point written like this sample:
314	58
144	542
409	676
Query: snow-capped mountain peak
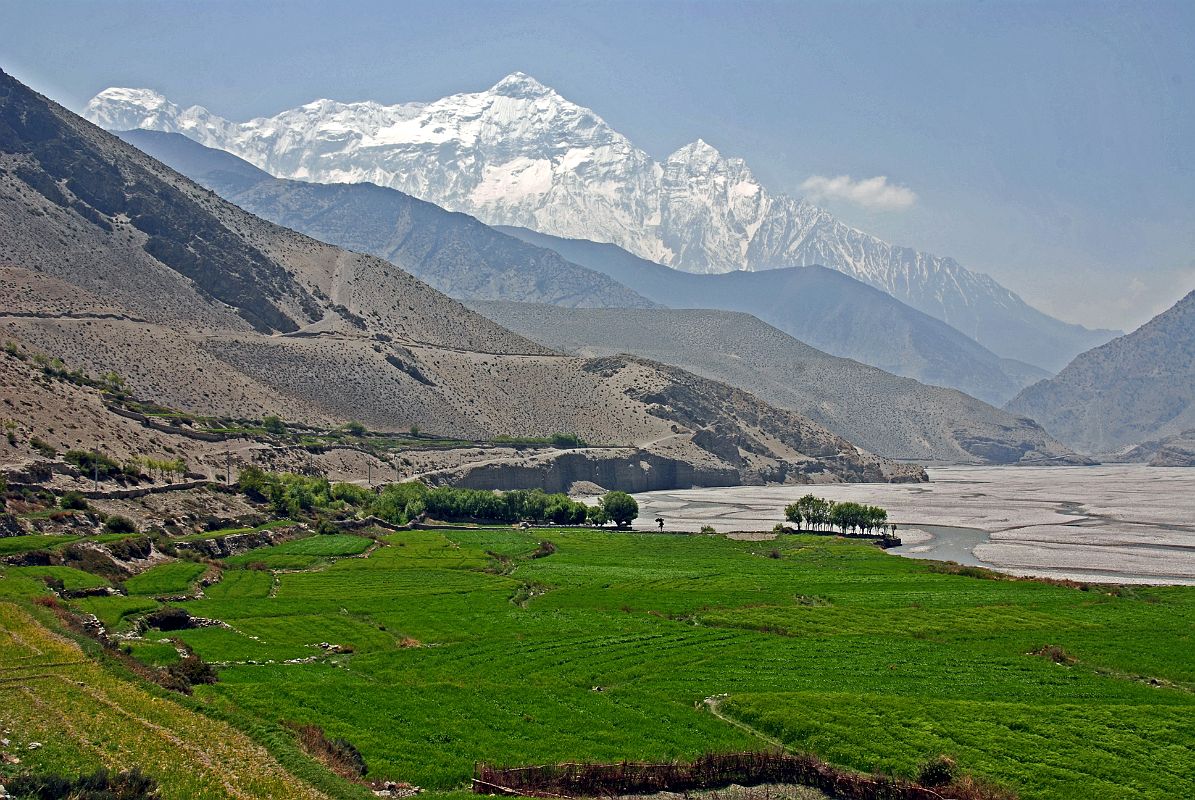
521	154
520	84
699	149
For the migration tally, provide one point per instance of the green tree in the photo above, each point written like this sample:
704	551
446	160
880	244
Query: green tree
596	515
274	424
620	508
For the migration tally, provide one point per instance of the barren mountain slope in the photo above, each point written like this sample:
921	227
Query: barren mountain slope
893	416
1137	388
213	310
822	308
453	252
467	259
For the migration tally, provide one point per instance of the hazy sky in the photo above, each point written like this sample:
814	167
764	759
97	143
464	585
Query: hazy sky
1051	145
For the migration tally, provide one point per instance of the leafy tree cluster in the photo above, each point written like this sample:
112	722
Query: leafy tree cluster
819	514
810	511
560	441
532	505
164	467
295	495
298	495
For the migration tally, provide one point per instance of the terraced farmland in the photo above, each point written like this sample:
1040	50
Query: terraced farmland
65	713
437	649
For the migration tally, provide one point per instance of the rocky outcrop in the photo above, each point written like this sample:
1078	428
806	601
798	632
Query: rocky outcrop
625	469
633	470
1177	451
237	543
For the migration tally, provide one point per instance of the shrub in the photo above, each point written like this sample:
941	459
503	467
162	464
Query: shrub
708	530
129	549
355	428
938	771
1055	653
118	524
274	424
566	440
192	670
42	446
73	501
93	464
545	548
94	560
351	494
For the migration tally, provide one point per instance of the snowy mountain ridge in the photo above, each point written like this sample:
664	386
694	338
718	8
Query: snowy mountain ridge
520	154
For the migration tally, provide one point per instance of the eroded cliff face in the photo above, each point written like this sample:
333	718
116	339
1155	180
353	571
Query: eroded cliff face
632	470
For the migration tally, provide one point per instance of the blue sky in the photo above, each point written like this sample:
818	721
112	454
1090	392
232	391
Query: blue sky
1047	144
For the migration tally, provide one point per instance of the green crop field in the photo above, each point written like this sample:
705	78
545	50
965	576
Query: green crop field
303	553
64	713
438	649
174	577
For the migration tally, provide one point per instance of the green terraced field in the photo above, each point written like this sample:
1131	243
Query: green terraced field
459	647
873	661
174	577
82	717
303	553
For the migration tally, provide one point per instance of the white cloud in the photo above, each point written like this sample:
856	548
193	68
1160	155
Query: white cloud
873	194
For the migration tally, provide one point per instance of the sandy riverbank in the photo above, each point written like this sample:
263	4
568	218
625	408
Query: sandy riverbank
1122	523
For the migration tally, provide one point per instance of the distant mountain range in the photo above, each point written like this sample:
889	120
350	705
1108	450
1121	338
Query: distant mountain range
520	154
821	307
889	415
1135	389
471	261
